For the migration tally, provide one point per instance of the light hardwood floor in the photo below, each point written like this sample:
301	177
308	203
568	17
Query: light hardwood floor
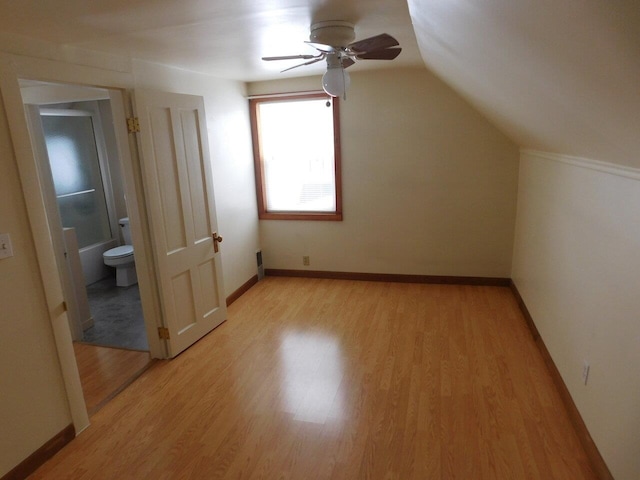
104	371
342	379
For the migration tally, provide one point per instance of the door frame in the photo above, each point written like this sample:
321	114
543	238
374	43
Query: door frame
12	70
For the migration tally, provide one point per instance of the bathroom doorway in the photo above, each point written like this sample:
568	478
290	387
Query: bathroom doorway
85	174
71	130
162	140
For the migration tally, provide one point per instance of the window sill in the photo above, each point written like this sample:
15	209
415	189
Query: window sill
313	216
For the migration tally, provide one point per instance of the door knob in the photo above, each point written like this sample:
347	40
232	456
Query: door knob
216	239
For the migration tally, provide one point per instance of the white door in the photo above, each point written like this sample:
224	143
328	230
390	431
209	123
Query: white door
182	217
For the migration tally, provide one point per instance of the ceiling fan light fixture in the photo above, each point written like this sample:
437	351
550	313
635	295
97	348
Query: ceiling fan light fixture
334	42
336	81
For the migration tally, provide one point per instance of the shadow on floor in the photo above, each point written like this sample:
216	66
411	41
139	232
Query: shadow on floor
105	372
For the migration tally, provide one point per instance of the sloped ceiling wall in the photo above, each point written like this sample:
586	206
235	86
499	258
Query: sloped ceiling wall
557	76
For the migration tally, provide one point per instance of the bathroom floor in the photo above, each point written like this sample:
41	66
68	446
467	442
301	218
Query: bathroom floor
117	316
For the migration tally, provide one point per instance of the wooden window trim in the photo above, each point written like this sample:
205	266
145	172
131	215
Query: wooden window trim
263	213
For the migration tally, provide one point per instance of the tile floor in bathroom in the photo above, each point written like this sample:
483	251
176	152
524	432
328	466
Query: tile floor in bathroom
117	315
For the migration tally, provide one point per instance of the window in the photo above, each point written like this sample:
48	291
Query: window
296	148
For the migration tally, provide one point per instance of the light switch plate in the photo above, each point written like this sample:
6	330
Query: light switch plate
6	250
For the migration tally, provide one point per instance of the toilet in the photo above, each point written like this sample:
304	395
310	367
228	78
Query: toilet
121	258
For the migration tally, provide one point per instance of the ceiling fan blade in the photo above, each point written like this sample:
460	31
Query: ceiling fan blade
290	57
386	54
347	62
322	47
370	44
303	64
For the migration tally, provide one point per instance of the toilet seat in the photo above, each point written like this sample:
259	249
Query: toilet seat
118	252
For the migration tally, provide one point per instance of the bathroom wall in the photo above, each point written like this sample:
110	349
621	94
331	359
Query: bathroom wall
93	266
115	169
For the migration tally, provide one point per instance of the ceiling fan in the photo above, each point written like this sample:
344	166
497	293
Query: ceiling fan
334	42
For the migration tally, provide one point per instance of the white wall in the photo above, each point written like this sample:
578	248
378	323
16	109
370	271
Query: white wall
429	185
115	171
577	266
33	404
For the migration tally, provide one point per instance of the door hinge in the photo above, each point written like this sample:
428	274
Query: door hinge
133	125
163	333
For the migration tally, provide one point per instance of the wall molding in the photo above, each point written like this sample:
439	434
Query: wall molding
604	167
242	290
391	277
597	462
40	456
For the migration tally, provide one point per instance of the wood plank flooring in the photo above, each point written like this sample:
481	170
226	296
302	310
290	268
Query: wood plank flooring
316	378
104	372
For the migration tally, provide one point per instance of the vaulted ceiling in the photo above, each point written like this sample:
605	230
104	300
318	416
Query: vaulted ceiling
557	76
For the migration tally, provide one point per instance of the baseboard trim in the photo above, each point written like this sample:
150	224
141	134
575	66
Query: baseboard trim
391	277
44	453
242	290
597	462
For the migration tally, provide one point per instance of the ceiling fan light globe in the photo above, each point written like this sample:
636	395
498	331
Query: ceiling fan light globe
336	81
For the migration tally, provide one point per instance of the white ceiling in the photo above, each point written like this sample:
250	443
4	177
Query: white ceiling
226	38
555	75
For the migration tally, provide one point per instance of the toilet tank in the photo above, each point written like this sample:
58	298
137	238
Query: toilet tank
126	230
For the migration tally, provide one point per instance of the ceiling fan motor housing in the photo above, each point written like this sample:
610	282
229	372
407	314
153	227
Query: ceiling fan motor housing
334	33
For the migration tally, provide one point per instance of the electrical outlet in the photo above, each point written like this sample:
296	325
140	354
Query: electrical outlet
305	260
585	372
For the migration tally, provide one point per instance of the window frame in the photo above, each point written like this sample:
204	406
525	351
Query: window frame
263	213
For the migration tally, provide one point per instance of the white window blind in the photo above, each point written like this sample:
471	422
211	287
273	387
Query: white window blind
297	146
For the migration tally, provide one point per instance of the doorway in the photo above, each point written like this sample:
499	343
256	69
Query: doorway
80	174
170	201
88	188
